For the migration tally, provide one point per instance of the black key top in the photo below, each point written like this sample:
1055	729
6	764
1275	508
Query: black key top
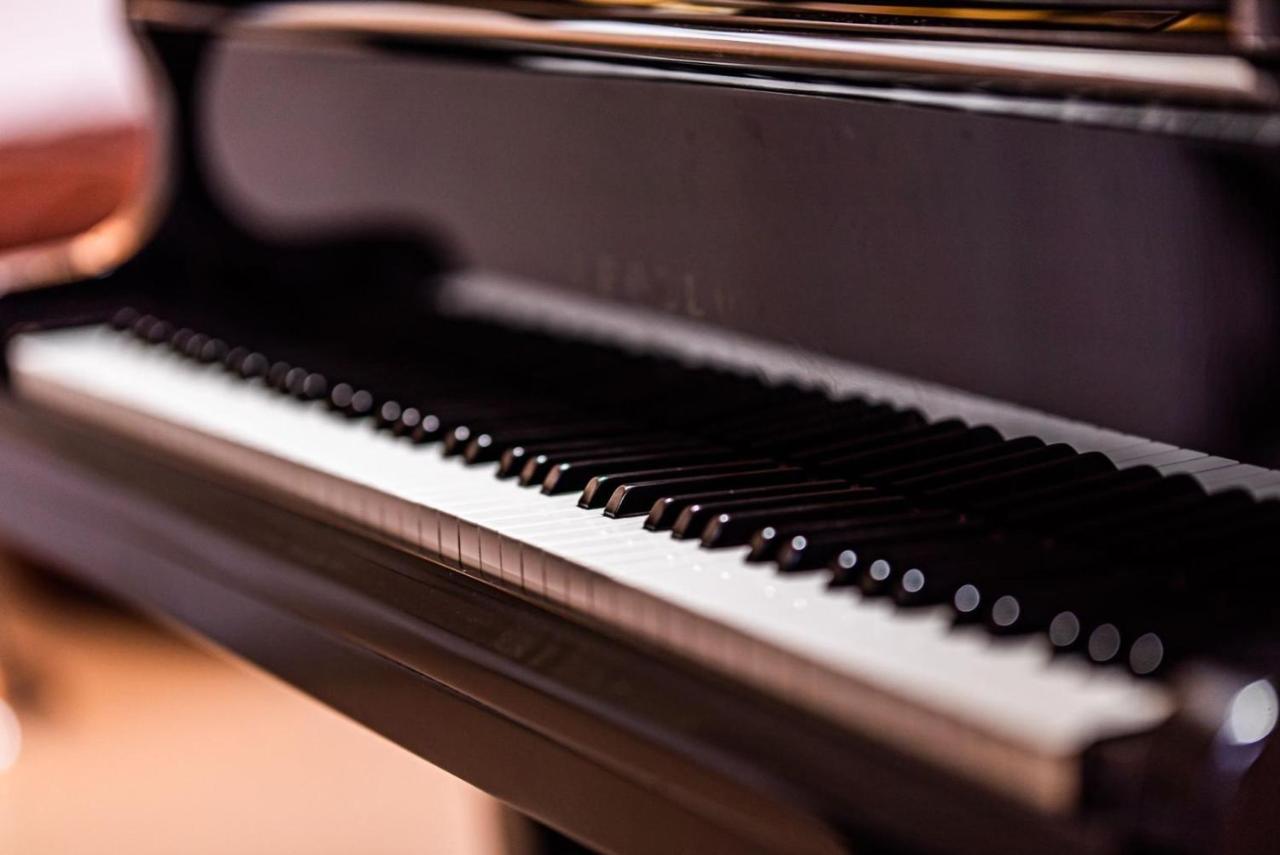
537	468
178	341
1199	524
158	332
124	318
352	402
665	511
971	472
913	429
1068	468
766	542
1028	502
488	445
277	373
600	489
235	359
572	476
735	528
811	551
638	497
1140	523
789	434
467	428
514	457
874	571
314	387
388	415
928	582
254	365
142	326
954	460
410	418
1013	609
213	350
694	518
293	381
790	416
956	439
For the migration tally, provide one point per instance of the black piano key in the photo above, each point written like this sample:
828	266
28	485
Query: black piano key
277	373
767	541
159	332
637	498
388	415
734	528
1030	602
194	344
1077	501
409	419
875	570
124	318
914	585
488	445
438	421
955	437
801	434
1067	468
665	511
1229	524
514	457
315	387
600	489
904	472
178	341
909	424
979	567
1147	523
235	359
989	466
1137	520
783	415
142	326
694	518
467	428
1018	613
213	350
359	403
812	550
539	466
1029	502
294	380
572	476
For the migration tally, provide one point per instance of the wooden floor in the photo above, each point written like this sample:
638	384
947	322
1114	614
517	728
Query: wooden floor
136	741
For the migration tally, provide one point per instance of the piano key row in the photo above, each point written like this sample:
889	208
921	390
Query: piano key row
1014	534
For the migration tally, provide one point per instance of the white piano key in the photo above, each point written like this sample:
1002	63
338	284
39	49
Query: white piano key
1199	466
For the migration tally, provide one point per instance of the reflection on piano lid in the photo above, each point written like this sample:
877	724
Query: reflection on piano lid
903	540
993	59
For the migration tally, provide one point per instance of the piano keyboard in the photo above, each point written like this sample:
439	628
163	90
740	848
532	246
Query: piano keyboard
993	602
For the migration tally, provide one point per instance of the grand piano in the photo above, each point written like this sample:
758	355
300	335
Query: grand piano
727	426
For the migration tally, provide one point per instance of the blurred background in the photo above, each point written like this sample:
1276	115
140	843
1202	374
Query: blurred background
116	735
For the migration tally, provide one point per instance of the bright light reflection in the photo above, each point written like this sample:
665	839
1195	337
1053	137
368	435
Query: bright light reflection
1253	714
